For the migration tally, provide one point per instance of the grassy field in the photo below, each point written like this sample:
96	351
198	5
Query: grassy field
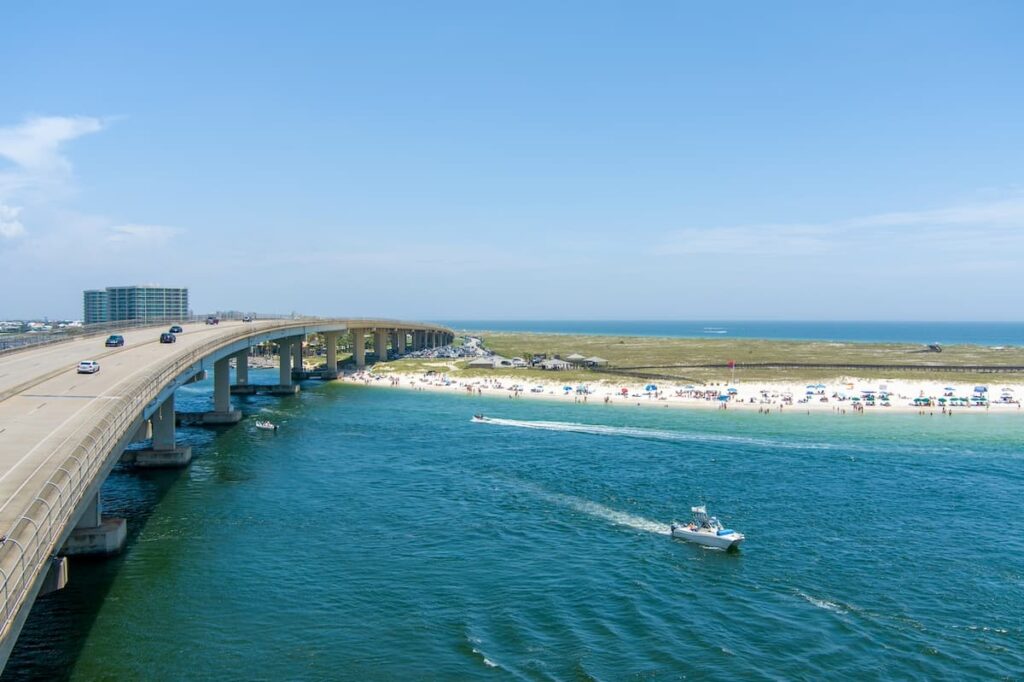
680	358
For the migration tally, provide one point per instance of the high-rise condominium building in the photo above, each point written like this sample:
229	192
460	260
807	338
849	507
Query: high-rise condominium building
115	304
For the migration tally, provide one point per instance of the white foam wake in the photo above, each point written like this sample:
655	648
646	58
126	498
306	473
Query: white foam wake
599	511
647	434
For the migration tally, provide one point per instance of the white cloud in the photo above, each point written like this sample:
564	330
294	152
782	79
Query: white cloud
10	226
747	239
34	145
993	224
137	234
37	174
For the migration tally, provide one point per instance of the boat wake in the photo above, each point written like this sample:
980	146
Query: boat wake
822	603
599	511
649	434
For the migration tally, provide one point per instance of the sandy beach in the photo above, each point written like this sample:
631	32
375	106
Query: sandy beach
845	395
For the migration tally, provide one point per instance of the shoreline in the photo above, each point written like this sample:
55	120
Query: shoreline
762	397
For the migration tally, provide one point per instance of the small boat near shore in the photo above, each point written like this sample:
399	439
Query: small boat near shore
479	418
266	425
707	530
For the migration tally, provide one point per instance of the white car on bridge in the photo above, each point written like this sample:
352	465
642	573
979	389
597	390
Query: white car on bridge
88	367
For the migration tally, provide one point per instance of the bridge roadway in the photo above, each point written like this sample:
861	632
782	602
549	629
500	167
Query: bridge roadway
61	432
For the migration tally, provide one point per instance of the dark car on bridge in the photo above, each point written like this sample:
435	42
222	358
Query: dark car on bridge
168	337
114	340
176	329
212	320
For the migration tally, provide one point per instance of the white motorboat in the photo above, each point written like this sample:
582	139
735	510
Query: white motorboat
707	530
266	425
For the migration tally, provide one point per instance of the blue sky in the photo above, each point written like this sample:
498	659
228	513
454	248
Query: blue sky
520	160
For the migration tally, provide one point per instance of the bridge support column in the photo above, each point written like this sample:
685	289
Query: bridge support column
359	347
400	349
284	354
242	385
222	412
380	345
94	534
297	356
164	452
331	340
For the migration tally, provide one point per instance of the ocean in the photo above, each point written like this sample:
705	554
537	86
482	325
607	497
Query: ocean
382	535
980	333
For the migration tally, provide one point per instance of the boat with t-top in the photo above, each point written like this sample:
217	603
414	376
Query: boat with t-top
707	530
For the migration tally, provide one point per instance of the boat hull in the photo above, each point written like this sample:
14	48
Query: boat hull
730	541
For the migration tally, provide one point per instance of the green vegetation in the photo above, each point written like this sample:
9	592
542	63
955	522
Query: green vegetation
681	358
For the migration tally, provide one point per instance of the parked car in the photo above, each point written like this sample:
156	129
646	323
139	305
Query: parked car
176	329
114	340
88	367
212	320
168	337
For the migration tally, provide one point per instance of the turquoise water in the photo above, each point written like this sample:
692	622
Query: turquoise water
382	535
981	333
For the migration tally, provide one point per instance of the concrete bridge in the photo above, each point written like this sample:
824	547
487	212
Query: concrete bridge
62	432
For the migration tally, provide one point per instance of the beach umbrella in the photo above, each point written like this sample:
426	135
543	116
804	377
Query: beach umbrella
810	393
723	397
733	390
942	400
820	386
566	388
811	386
981	389
624	391
689	387
650	387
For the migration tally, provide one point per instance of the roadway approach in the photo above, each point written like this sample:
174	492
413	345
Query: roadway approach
62	432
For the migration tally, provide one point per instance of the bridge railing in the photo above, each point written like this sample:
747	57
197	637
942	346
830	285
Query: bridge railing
25	549
10	342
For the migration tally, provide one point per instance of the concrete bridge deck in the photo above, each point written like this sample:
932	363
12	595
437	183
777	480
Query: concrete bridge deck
61	432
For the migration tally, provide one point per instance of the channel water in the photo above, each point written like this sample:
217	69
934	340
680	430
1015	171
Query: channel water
380	534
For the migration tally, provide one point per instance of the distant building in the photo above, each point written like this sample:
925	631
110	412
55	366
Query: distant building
115	304
96	307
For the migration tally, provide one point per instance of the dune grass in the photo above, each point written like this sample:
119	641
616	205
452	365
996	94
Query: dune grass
673	357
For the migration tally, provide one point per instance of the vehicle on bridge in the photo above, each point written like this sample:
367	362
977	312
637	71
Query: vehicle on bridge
248	318
114	340
176	329
88	367
168	337
212	320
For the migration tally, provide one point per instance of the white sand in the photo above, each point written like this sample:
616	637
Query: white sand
757	396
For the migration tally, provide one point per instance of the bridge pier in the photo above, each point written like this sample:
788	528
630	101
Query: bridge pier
380	345
95	535
164	452
359	347
331	340
222	412
400	348
242	385
297	355
284	385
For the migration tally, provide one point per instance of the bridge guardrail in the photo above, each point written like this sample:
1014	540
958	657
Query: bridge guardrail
26	546
12	342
